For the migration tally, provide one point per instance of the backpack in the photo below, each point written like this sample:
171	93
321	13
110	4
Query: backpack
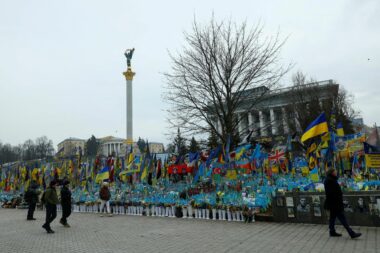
104	194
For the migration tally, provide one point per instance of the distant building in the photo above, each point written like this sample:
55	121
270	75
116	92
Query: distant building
107	146
272	115
70	146
358	124
156	147
113	145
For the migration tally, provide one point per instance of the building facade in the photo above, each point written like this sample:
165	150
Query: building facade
113	145
156	147
70	146
272	113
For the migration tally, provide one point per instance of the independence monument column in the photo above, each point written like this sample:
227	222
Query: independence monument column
129	77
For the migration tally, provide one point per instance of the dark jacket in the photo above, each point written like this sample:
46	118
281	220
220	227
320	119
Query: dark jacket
334	195
31	195
104	193
65	196
51	196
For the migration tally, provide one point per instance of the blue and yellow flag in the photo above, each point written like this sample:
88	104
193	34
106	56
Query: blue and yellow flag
103	174
339	129
317	127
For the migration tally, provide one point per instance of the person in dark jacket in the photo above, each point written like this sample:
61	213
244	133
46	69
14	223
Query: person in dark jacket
334	203
31	197
65	203
51	200
105	197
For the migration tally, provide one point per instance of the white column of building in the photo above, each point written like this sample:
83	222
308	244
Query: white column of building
108	148
263	131
219	126
285	121
298	124
320	104
273	121
251	122
240	124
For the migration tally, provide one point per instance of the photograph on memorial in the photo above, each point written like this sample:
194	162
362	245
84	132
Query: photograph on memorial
317	206
280	201
303	206
347	206
289	202
291	212
362	205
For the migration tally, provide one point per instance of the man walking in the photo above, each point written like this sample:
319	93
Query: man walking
334	203
65	203
51	200
31	197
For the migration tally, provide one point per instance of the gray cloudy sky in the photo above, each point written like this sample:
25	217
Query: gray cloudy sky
61	62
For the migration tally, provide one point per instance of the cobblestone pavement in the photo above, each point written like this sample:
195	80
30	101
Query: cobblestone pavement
91	233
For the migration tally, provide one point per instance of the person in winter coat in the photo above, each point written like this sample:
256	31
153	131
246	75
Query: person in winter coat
50	199
105	197
334	203
65	203
31	197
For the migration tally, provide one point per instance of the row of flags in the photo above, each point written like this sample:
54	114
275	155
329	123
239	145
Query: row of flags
216	163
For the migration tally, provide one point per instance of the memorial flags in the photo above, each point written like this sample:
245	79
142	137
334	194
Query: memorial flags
103	174
317	127
339	129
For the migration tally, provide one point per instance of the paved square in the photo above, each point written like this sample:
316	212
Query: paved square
91	233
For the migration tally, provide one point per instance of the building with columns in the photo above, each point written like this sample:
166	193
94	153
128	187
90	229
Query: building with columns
112	145
107	146
272	113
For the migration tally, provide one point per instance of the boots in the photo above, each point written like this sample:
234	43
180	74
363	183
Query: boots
355	235
334	234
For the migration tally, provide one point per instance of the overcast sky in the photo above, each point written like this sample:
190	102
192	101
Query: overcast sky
61	62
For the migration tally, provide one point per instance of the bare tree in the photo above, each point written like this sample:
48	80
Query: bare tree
217	73
44	147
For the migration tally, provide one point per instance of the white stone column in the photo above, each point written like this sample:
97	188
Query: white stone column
240	124
219	126
285	121
251	123
273	121
298	124
250	120
263	131
320	104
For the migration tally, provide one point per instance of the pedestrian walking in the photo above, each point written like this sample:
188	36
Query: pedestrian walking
31	197
334	203
50	199
65	203
105	197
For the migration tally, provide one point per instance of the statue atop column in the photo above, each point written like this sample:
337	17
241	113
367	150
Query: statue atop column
128	54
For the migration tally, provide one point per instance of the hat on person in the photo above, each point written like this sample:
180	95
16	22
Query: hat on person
66	182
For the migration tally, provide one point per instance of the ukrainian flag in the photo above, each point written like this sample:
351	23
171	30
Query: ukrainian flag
339	129
103	174
317	127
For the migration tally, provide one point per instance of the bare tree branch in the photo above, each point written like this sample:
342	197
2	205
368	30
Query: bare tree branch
217	73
